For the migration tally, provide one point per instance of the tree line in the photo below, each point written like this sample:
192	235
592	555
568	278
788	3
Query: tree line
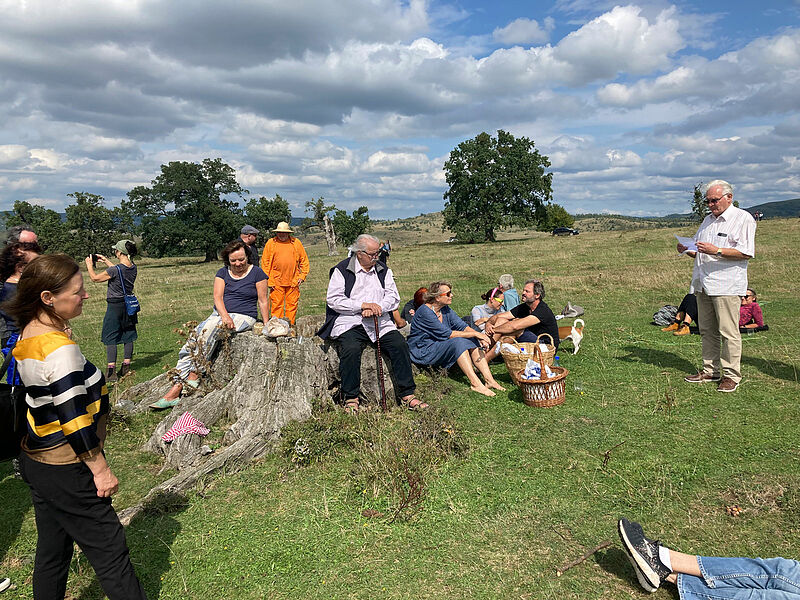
188	209
495	182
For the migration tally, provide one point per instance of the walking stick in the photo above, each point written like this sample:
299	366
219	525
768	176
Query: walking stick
380	363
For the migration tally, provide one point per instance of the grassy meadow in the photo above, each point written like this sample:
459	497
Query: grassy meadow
523	492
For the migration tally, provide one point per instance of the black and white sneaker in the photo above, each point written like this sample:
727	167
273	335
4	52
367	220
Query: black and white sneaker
5	583
643	554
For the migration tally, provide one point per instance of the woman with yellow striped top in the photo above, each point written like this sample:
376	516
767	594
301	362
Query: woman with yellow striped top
62	458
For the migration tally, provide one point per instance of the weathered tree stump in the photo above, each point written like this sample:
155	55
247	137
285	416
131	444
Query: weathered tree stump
266	384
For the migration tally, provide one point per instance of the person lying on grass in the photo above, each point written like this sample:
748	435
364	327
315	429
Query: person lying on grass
704	577
750	315
525	322
439	338
240	289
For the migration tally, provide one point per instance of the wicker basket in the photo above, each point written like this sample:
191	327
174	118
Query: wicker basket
551	349
544	392
516	362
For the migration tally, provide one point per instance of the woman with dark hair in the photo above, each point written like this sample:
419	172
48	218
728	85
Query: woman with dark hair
240	289
13	260
62	458
439	338
118	326
483	312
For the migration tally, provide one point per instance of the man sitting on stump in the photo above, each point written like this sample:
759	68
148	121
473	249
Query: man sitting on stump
360	289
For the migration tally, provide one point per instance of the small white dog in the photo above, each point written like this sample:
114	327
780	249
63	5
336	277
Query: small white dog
574	333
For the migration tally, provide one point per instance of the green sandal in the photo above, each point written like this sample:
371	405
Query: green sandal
163	403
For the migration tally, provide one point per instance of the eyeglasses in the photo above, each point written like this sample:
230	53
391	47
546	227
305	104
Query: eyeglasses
371	254
715	200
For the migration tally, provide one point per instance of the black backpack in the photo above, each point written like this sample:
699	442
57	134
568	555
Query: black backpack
13	414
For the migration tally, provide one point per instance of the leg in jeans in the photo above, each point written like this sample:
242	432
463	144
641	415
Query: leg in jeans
394	345
727	309
709	334
752	578
351	345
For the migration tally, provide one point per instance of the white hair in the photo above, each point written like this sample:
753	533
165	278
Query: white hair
726	187
359	244
506	281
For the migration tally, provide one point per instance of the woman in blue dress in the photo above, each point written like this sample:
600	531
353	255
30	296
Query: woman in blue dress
439	338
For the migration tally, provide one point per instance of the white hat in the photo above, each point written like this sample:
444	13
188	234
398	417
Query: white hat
283	227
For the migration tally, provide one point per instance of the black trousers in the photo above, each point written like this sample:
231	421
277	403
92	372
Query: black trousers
689	306
393	345
67	509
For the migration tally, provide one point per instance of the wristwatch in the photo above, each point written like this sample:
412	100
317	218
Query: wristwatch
719	252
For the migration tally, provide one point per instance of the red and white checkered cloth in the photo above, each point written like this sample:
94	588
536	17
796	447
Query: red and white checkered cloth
185	424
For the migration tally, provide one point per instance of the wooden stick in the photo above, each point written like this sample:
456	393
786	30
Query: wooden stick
561	570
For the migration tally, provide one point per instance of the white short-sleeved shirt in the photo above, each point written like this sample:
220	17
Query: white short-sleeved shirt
716	276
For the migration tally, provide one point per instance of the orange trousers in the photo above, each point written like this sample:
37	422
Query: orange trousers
284	300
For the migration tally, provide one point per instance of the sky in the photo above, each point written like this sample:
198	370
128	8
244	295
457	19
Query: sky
361	101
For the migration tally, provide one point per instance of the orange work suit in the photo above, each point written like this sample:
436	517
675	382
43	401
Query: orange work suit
286	264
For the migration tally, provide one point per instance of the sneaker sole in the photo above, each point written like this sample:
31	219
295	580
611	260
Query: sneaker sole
728	391
717	380
644	573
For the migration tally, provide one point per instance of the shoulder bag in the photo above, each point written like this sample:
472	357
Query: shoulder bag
131	301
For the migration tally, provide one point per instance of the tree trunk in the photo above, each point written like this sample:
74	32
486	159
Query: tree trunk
330	235
265	384
211	255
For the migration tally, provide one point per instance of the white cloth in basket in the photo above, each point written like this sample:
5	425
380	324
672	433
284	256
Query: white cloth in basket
534	371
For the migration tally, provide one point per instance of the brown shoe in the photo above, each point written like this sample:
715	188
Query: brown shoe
672	327
701	377
727	384
682	330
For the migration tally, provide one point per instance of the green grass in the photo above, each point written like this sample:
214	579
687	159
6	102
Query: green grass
531	492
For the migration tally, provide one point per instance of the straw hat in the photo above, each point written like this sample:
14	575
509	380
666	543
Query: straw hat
283	227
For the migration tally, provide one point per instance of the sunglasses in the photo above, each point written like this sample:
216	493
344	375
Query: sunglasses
448	294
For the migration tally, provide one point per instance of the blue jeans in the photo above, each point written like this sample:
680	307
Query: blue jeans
750	578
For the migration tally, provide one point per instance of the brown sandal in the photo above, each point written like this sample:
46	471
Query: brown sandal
416	404
351	406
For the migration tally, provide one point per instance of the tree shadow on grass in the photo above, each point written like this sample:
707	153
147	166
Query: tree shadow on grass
146	359
659	358
615	562
150	537
773	368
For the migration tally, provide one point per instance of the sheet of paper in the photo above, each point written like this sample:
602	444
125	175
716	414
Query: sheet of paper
691	245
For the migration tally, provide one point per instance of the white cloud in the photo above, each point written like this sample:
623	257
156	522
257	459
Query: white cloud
524	31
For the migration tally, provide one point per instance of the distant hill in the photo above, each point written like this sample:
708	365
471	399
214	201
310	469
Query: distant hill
775	210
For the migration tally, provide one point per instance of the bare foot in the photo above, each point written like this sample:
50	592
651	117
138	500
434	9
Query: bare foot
173	392
482	389
495	386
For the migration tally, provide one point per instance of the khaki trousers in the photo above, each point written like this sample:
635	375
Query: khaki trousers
718	319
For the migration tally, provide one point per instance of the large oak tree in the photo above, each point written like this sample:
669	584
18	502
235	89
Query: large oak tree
495	182
188	208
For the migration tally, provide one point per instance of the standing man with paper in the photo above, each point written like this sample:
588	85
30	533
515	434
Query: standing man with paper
725	242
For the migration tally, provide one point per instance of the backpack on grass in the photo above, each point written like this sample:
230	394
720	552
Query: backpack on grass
665	315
